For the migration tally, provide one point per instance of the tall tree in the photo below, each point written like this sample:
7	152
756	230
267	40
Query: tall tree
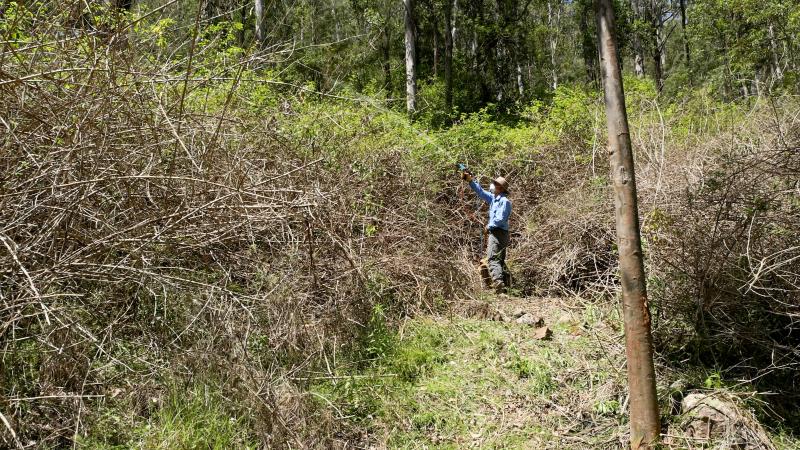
260	29
686	53
242	19
387	48
210	12
638	48
554	27
448	55
777	70
411	57
644	416
585	15
656	12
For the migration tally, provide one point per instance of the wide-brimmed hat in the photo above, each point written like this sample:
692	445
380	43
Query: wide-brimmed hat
502	182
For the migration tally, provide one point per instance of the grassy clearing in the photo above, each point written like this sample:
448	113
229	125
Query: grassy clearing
459	382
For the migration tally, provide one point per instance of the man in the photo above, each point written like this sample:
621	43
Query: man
499	212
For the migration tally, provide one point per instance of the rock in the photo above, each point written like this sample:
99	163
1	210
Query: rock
717	417
530	319
542	333
565	318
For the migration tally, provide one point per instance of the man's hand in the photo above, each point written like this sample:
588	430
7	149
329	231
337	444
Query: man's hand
466	176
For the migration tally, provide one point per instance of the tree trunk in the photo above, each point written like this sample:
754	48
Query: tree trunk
453	15
387	54
210	10
553	17
243	19
638	51
436	39
259	12
644	416
336	21
686	52
654	17
658	55
588	43
776	63
448	56
411	56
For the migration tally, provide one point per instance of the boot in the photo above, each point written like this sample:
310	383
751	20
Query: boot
499	287
485	276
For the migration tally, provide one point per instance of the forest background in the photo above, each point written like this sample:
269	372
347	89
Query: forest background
210	208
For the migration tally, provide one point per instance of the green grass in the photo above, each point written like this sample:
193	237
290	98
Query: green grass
188	419
472	383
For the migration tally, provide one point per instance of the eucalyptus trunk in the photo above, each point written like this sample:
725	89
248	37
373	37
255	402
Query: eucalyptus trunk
259	12
644	417
638	51
448	55
553	21
411	56
776	63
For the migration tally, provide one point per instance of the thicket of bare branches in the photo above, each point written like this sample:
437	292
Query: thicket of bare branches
725	252
146	241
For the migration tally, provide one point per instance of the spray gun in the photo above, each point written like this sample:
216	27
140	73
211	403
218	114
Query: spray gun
464	170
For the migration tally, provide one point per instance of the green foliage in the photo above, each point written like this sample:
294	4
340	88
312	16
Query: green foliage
16	22
539	374
195	418
378	341
417	355
713	381
607	407
20	368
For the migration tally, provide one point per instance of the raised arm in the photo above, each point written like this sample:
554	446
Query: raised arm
484	195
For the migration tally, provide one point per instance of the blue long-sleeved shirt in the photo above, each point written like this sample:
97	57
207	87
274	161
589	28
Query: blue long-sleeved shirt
499	206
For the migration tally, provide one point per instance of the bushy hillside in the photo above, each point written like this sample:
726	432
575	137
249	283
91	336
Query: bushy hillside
194	244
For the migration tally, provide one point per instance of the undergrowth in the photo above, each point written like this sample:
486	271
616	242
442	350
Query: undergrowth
452	383
193	418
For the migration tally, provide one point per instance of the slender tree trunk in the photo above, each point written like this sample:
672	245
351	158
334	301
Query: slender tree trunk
387	54
448	55
553	17
658	55
411	58
210	9
776	63
644	416
335	20
259	13
435	46
242	19
453	15
588	43
686	53
638	51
